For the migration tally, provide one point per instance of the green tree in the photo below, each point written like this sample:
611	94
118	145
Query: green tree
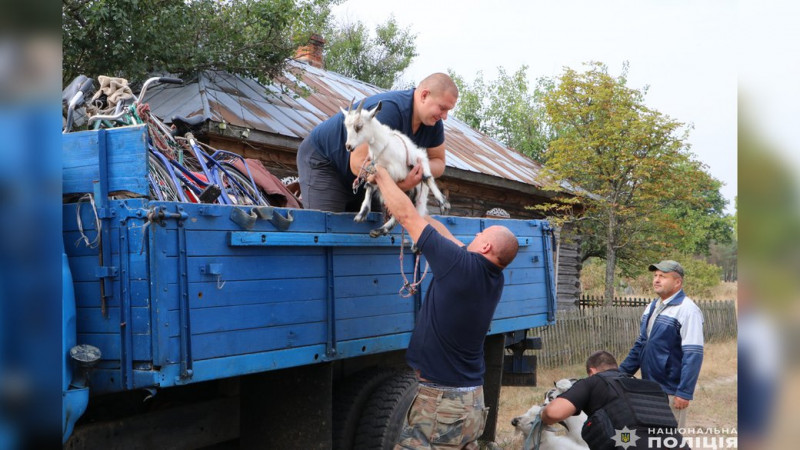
636	180
134	38
507	110
380	60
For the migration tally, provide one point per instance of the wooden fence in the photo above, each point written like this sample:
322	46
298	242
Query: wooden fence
580	332
590	301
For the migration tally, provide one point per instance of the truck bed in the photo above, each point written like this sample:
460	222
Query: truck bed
191	295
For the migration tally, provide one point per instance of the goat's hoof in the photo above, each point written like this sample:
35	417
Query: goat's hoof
444	206
378	232
360	217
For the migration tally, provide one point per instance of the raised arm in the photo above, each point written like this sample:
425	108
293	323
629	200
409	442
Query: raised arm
399	204
442	230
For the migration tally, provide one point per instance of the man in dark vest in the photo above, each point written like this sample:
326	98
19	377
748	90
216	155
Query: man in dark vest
622	411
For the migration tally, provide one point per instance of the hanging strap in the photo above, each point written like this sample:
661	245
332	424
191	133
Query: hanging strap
410	288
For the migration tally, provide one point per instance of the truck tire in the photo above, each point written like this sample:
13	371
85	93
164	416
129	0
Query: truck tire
349	398
383	416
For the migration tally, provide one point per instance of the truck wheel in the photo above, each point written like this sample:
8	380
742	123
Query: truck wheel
349	398
383	416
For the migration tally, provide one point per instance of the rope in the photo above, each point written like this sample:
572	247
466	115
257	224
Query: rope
534	439
410	288
96	243
367	168
98	225
409	163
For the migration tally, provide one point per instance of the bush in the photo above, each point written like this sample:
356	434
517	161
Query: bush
701	278
699	283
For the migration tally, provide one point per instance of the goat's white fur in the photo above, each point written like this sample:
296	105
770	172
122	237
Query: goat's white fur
551	440
572	439
393	151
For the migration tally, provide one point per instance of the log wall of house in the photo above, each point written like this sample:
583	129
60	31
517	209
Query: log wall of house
569	269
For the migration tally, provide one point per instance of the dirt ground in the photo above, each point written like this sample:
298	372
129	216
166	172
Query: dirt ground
714	405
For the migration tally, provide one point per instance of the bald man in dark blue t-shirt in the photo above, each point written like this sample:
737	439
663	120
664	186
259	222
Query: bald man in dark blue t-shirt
327	170
446	348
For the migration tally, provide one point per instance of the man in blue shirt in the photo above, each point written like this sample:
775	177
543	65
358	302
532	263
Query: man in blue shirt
327	170
669	349
446	348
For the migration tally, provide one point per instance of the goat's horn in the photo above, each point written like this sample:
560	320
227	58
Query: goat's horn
350	108
360	106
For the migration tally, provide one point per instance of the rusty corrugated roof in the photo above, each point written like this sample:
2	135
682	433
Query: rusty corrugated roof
283	109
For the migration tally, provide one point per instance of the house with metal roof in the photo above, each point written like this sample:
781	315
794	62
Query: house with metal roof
268	122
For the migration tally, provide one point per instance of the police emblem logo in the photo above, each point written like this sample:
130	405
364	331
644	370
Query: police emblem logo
625	438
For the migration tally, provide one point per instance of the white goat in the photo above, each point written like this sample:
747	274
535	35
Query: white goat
393	151
573	424
572	439
550	439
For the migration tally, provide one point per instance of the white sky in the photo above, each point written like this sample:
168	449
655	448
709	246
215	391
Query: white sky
684	50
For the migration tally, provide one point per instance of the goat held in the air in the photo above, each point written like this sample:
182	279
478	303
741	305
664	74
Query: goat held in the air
393	151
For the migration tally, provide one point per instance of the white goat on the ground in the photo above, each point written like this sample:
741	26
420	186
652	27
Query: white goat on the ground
550	437
393	151
573	424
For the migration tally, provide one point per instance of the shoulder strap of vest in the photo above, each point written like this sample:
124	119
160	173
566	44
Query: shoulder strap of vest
608	375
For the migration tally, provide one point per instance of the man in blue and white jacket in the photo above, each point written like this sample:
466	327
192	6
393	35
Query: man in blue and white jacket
669	349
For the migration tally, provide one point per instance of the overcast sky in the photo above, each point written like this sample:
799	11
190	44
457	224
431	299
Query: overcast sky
685	51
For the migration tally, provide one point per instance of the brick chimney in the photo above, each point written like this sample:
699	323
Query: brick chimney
311	53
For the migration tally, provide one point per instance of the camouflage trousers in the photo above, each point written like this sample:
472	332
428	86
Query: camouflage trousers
444	419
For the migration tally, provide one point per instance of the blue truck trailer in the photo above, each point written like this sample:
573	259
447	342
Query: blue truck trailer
191	325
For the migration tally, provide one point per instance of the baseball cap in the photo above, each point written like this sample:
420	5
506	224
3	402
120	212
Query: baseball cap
667	265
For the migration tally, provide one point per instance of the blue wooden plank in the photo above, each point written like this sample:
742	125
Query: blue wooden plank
268	239
370	285
127	160
217	218
243	317
516	292
376	326
217	243
374	305
523	276
258	267
380	344
109	345
519	308
229	366
75	246
84	268
518	323
87	294
372	261
206	295
215	345
91	320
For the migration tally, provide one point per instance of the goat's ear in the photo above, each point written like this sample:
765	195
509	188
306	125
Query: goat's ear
375	111
344	111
